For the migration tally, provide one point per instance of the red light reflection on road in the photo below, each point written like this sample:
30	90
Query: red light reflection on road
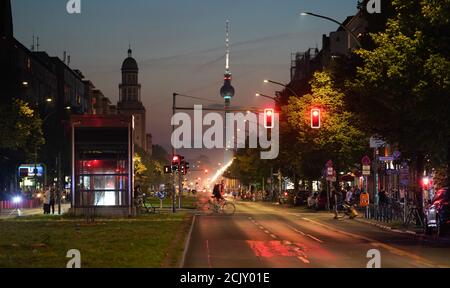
275	249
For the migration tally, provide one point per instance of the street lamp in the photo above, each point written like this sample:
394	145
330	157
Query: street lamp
17	200
266	96
334	21
281	84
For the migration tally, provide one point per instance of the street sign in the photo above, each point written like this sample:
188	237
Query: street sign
23	172
366	161
330	171
329	163
386	159
366	170
161	195
404	175
375	142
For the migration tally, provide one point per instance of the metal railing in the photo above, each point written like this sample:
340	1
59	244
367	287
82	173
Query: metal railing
394	211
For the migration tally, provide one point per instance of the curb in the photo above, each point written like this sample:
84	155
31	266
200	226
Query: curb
385	227
188	241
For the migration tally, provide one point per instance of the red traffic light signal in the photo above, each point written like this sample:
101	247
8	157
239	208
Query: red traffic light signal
316	118
268	118
175	159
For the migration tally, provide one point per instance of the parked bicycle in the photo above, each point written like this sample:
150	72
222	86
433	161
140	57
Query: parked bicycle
143	204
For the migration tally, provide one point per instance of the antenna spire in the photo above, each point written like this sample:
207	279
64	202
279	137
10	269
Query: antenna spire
32	45
227	44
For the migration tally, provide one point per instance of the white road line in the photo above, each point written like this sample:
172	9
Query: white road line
273	236
314	238
209	255
296	230
267	232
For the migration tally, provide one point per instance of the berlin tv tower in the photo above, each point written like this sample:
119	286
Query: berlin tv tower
227	93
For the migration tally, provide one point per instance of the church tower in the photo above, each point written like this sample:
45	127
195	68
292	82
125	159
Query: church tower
130	99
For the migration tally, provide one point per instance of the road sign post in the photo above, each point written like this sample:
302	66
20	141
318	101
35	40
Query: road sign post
366	173
330	173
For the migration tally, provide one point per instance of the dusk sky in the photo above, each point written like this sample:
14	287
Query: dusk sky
179	45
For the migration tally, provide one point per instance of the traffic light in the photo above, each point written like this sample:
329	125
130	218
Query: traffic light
167	169
268	118
176	160
184	166
315	118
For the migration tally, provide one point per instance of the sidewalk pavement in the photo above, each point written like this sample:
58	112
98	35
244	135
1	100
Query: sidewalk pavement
393	226
13	213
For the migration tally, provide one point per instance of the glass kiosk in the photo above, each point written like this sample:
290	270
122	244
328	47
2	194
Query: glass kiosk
102	165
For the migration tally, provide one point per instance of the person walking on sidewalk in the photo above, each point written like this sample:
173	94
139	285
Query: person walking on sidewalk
336	197
52	201
46	198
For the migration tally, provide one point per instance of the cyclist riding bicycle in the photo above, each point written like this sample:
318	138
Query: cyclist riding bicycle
217	195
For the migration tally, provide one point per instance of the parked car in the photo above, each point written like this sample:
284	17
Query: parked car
301	197
437	215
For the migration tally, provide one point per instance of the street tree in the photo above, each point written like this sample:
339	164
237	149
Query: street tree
337	139
22	137
402	89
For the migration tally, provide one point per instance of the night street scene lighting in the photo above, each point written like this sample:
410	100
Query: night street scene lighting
225	143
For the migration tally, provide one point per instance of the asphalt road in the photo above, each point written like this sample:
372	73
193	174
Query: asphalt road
262	235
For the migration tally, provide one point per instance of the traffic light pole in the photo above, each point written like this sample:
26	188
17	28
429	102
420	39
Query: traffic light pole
180	187
174	197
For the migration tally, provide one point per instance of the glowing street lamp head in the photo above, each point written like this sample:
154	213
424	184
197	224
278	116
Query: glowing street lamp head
17	199
303	14
266	81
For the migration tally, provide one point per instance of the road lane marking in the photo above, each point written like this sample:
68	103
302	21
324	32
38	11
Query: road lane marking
314	238
296	230
377	244
273	236
209	255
